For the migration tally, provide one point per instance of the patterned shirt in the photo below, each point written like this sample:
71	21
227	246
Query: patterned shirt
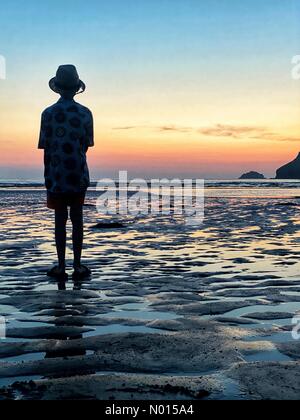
66	134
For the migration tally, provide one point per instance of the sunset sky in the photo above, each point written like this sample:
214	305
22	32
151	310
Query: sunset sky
191	88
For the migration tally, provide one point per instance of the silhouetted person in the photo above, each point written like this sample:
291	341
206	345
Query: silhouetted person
66	134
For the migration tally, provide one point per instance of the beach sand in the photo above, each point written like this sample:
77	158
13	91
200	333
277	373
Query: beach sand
171	311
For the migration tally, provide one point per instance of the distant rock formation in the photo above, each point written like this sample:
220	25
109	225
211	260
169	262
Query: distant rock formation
290	170
252	175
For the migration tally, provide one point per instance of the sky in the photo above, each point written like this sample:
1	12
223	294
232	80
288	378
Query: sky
178	88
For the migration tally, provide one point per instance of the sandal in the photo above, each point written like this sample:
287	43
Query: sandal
57	273
81	272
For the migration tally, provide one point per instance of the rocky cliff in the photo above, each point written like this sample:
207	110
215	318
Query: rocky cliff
252	175
290	170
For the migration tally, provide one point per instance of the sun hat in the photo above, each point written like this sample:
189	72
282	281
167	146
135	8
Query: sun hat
67	79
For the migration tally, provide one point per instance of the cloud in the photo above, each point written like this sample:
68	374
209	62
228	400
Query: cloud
279	137
175	129
125	128
153	128
221	131
245	132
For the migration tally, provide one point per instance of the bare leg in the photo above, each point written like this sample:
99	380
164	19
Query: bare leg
61	217
76	215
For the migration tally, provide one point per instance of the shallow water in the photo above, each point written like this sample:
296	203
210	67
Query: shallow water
246	250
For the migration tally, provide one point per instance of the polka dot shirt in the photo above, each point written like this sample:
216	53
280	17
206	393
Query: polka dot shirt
66	134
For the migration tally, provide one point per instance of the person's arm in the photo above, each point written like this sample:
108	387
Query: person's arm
42	139
89	132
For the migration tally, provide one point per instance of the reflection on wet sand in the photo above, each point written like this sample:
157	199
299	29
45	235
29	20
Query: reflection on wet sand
72	352
187	309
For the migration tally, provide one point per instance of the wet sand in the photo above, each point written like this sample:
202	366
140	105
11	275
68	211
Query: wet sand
171	312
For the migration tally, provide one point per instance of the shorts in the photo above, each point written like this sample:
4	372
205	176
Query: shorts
58	201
